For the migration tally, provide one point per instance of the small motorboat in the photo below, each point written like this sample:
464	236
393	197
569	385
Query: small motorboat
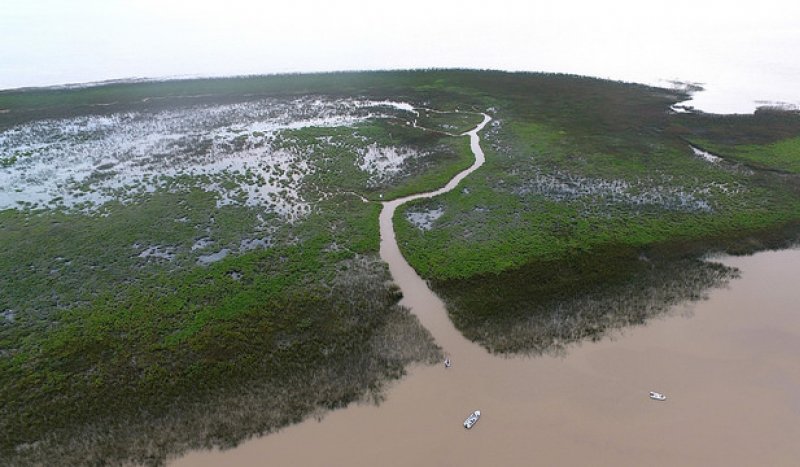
447	363
472	419
657	396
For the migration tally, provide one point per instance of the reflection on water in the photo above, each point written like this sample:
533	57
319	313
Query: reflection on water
516	311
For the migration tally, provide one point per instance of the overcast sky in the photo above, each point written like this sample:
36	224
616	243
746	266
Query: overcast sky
751	51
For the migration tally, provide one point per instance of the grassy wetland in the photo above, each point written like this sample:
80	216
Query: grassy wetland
188	263
592	193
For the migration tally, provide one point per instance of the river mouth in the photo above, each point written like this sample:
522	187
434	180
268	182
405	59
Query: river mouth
727	365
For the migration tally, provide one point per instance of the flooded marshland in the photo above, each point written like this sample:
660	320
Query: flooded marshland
246	153
207	271
726	363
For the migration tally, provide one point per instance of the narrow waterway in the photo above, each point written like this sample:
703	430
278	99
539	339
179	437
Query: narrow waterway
428	308
729	366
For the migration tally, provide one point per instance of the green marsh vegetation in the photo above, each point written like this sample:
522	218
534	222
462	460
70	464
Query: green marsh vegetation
582	178
188	307
589	298
430	159
766	140
456	122
106	344
195	303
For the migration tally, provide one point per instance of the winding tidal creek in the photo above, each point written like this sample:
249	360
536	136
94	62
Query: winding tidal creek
729	365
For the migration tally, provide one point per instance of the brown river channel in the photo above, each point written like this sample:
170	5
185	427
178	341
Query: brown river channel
729	365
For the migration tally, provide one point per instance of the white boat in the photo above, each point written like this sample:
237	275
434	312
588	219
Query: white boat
472	419
447	363
657	396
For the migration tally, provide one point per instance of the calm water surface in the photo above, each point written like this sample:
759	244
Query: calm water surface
729	366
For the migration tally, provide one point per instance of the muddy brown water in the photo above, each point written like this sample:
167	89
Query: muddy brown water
730	367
